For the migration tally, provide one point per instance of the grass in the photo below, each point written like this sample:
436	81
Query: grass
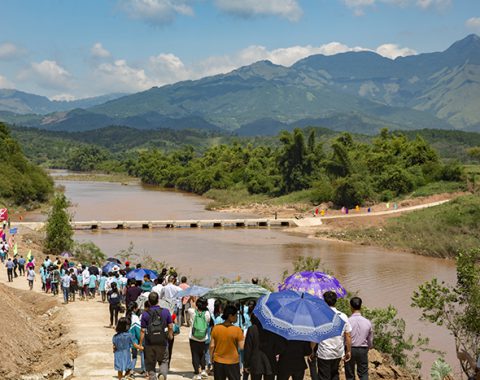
439	187
231	198
98	177
439	231
301	200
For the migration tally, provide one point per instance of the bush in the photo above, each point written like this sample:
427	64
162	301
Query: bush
351	191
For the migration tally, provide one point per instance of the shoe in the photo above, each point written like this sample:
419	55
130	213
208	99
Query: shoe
197	377
204	375
161	377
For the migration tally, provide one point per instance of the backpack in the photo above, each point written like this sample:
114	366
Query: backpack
200	326
156	329
73	280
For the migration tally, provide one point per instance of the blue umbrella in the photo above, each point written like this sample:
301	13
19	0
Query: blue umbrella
298	316
108	267
114	260
193	291
138	274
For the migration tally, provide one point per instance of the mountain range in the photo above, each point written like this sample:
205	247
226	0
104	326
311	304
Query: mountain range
356	91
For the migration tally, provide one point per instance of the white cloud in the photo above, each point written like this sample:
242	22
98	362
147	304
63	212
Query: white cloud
393	51
5	83
10	51
440	4
473	23
289	9
120	77
48	74
98	51
63	97
156	12
359	6
168	68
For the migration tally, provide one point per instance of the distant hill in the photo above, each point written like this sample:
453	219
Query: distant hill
19	102
355	91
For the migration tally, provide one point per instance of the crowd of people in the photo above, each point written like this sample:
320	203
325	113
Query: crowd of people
226	339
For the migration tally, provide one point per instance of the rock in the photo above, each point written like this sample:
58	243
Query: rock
375	358
67	374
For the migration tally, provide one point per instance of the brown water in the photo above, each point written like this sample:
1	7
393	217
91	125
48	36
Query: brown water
381	277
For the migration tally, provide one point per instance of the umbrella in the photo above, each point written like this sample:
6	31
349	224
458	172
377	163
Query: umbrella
236	291
110	267
298	316
114	260
138	274
314	283
67	255
195	291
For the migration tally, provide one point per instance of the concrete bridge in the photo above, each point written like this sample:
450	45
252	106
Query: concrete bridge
163	224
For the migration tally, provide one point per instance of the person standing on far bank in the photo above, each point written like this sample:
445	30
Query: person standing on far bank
362	341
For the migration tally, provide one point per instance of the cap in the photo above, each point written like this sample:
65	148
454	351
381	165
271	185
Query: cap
127	263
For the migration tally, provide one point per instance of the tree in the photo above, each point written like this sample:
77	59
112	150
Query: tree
59	231
456	307
87	253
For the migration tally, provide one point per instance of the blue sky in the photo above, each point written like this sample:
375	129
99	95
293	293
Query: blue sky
67	49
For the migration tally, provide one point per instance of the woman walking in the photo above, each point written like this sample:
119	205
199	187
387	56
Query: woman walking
114	299
123	342
199	320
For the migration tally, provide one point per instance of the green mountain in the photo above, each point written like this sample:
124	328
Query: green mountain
354	91
19	102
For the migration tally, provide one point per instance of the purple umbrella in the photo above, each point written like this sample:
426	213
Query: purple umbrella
66	255
314	283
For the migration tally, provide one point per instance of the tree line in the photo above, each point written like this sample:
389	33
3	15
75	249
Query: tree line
349	173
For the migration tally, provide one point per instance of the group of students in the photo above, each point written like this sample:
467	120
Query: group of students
227	340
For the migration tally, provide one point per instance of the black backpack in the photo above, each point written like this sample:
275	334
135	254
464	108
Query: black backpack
156	329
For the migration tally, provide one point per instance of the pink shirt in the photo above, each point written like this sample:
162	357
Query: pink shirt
362	335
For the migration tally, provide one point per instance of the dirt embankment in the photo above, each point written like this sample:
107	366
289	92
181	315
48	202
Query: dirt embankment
32	336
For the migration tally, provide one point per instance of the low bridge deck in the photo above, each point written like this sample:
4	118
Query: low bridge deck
158	224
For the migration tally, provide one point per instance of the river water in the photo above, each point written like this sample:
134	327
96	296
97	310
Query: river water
381	277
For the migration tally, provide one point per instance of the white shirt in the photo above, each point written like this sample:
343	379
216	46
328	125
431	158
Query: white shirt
86	277
158	289
31	275
191	317
170	291
334	348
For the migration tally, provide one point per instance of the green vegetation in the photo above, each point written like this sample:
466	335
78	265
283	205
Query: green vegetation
437	231
351	173
22	182
456	307
59	236
87	253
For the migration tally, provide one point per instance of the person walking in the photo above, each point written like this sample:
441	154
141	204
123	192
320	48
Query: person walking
21	266
114	298
30	278
10	265
157	329
362	341
291	361
259	355
65	281
182	313
123	342
331	351
225	342
199	319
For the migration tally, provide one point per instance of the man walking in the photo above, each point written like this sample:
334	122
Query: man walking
331	351
157	329
362	341
10	265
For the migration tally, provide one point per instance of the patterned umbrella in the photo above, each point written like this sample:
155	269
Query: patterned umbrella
298	316
114	260
314	283
236	291
66	255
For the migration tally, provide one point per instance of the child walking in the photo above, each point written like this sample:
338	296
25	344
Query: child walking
123	342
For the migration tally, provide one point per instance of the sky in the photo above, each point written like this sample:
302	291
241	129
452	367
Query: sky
71	49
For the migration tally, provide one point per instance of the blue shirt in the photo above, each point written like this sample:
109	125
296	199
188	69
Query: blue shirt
93	280
101	284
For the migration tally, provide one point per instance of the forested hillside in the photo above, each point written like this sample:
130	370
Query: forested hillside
22	182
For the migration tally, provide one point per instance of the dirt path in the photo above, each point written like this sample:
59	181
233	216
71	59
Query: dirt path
88	321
